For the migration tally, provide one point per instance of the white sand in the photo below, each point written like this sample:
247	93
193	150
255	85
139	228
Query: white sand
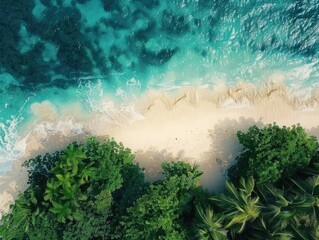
194	125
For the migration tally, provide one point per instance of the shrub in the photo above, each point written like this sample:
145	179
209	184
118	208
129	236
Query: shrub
158	214
273	153
71	192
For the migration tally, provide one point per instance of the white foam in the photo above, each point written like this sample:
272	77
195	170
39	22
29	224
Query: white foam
96	101
302	73
12	146
90	93
103	110
66	127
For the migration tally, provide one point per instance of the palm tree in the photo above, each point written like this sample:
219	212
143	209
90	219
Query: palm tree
304	196
291	210
210	226
275	210
260	230
239	206
313	168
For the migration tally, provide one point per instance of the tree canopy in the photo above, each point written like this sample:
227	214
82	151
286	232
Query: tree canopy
94	190
273	153
70	190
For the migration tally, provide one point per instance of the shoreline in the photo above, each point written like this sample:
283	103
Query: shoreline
196	125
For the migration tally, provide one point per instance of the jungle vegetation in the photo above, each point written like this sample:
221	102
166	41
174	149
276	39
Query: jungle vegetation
94	190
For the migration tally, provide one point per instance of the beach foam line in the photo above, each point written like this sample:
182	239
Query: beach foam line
196	125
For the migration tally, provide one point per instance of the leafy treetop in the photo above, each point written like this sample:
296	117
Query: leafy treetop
273	153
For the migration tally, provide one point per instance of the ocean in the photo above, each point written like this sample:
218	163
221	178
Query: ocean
77	57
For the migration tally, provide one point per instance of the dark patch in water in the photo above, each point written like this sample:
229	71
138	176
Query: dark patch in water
111	5
129	25
82	1
157	58
173	23
150	3
64	29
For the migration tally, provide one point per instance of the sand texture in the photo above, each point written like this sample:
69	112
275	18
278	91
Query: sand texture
194	125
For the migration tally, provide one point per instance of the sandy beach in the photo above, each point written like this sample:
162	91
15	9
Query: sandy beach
194	125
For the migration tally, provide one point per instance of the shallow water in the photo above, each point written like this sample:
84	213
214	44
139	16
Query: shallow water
79	52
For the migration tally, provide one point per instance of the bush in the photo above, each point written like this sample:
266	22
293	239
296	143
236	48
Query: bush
94	191
71	192
159	213
273	153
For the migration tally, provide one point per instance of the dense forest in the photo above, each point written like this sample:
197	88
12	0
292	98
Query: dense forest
94	190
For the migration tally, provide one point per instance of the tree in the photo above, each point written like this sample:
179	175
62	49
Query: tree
158	214
86	174
210	226
95	191
272	153
248	212
238	206
71	192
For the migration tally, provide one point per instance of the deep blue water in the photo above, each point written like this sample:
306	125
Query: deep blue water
61	51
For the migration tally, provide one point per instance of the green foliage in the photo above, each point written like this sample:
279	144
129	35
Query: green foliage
25	220
179	169
210	225
272	153
248	212
86	174
133	187
73	187
16	224
312	169
155	215
39	169
239	206
158	213
94	191
289	211
45	227
92	226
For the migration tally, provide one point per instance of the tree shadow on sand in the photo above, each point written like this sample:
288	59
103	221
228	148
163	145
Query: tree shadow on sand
214	163
224	149
314	131
151	160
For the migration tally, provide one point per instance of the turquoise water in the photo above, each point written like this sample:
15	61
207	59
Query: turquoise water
76	51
